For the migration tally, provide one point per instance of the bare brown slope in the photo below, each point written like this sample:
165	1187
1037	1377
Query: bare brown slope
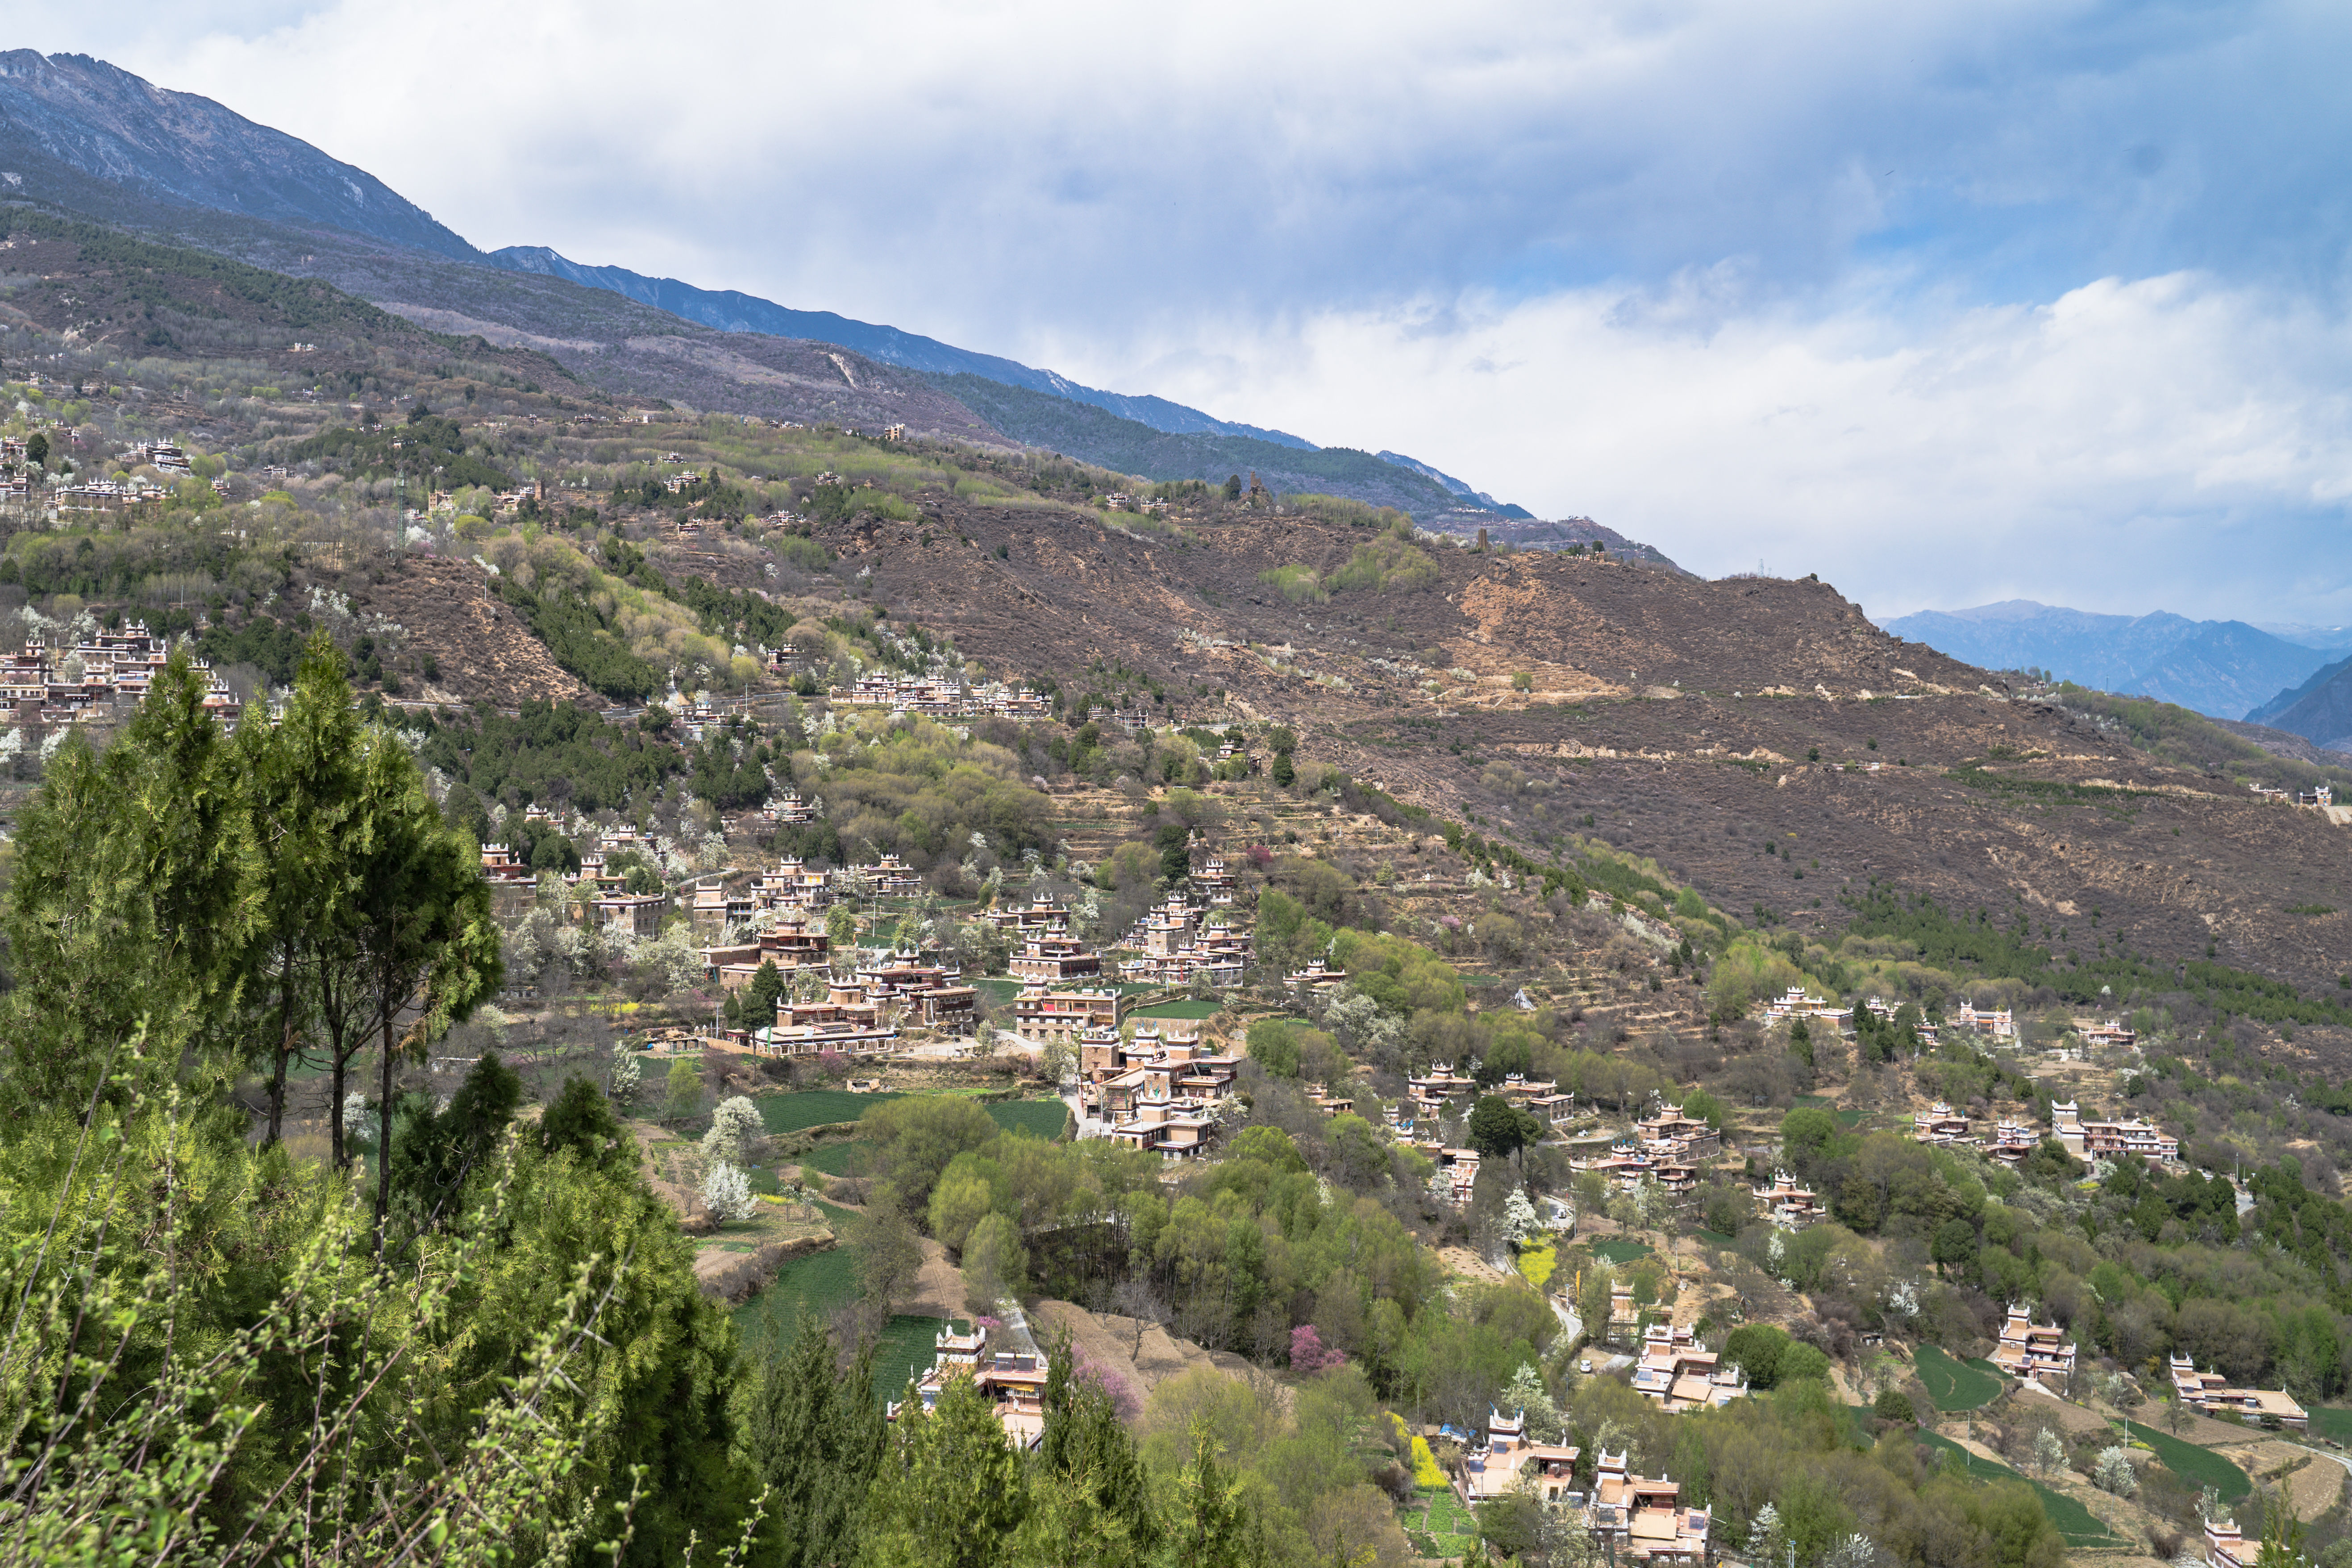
1683	716
484	650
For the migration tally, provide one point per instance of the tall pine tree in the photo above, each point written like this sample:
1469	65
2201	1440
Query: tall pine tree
952	1493
302	788
816	1435
135	898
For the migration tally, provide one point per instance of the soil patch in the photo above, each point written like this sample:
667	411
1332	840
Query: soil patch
1109	1343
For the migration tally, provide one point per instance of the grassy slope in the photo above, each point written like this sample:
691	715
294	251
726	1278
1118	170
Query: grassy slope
2198	1467
2077	1524
1952	1385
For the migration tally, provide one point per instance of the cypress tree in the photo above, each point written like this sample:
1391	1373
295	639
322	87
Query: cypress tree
301	785
814	1433
953	1494
1089	1449
135	904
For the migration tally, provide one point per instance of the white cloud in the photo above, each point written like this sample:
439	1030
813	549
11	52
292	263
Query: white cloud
1811	283
2169	442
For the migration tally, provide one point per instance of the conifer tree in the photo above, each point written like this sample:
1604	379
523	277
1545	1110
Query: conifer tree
952	1494
1088	1450
419	930
302	787
1209	1526
816	1435
136	895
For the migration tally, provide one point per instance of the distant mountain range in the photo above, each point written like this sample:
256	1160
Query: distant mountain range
2226	670
104	143
2320	710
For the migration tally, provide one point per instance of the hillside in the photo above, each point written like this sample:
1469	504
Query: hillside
1101	436
732	310
2223	669
1759	738
1695	722
90	140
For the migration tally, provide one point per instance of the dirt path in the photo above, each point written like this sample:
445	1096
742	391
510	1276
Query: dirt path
938	1285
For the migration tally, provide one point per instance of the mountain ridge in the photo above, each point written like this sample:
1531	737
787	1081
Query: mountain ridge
732	310
106	122
2225	670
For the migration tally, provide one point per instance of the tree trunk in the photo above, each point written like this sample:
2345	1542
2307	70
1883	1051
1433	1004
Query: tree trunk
285	1050
335	1108
384	1142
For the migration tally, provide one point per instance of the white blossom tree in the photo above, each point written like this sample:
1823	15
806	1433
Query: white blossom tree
1526	1392
1519	1221
735	1127
727	1192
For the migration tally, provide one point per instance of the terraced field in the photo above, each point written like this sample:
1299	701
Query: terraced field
1954	1385
813	1107
2198	1467
2078	1525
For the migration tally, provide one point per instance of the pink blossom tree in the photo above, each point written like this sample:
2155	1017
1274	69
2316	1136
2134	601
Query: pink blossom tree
1309	1354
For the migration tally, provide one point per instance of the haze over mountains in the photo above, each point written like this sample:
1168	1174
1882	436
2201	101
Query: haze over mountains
79	133
2225	670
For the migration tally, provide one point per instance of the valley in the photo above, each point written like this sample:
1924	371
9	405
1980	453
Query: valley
825	967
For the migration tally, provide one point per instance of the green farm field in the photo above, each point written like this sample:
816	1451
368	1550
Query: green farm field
1186	1009
813	1107
1952	1385
2078	1525
2198	1466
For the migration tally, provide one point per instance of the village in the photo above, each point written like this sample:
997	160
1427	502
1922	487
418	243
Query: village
1072	1013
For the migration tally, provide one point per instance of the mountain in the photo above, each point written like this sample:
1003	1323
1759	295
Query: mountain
1132	446
2223	669
733	311
2327	638
107	124
2320	710
1458	487
71	112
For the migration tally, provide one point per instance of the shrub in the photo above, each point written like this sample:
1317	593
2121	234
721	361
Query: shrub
1894	1405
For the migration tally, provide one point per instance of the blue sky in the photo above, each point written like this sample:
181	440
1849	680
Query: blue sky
1949	302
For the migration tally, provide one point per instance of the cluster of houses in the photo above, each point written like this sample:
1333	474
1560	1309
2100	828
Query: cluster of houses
25	492
2011	1142
2206	1392
938	697
41	685
2000	1024
2319	795
608	904
1665	1147
1637	1519
1155	1088
1182	941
